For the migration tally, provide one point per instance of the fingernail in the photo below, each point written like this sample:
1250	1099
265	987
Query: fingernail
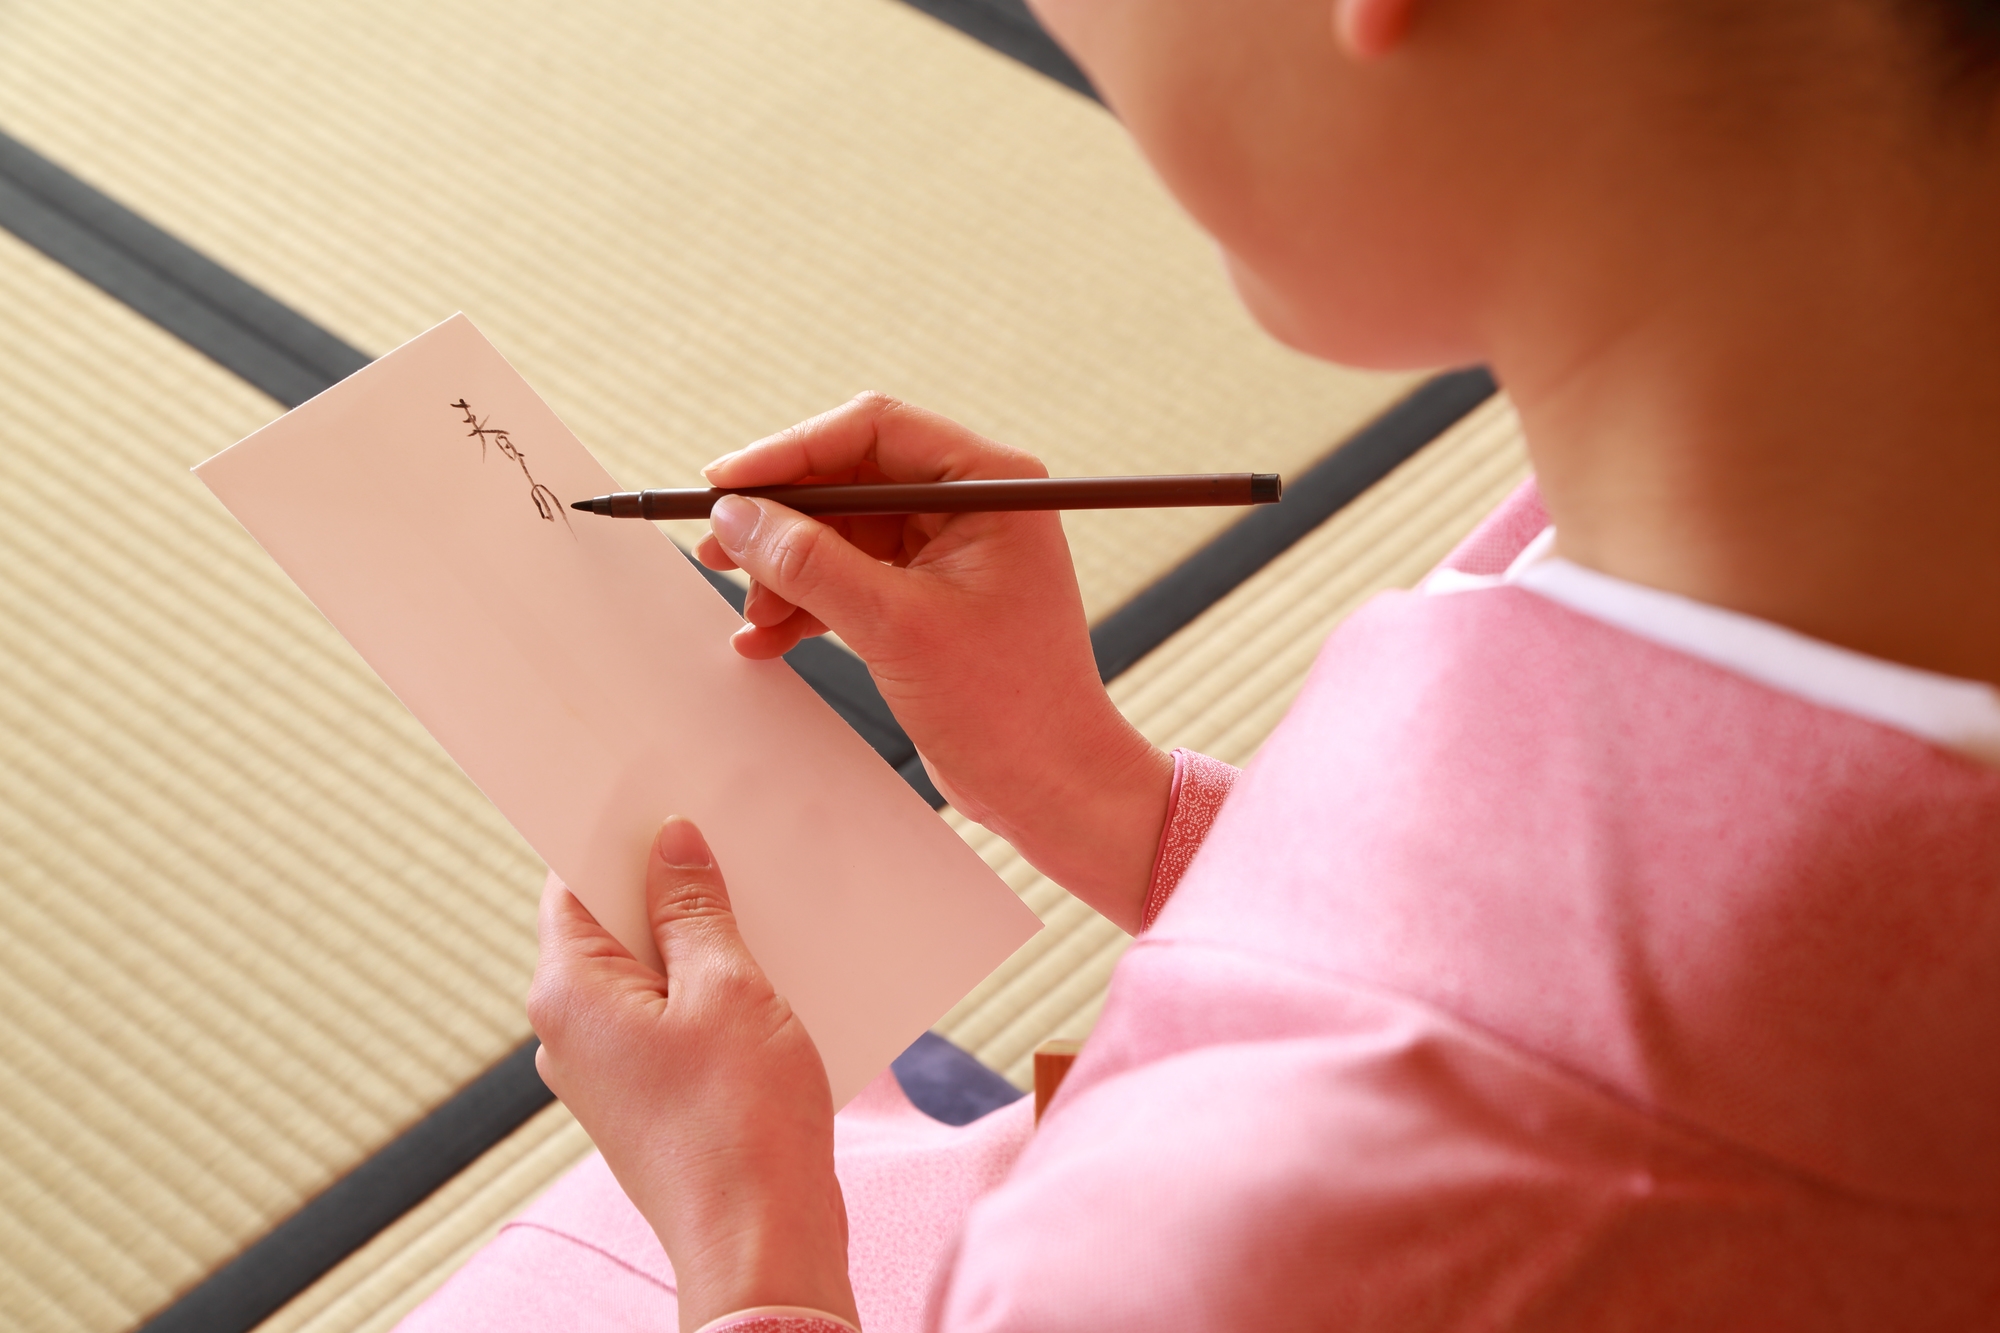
680	844
734	519
719	462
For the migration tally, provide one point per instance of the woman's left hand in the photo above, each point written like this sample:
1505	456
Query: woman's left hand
701	1088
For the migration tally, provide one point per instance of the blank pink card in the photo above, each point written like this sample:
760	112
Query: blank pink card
579	670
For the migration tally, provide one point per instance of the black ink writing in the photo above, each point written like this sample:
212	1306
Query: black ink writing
545	500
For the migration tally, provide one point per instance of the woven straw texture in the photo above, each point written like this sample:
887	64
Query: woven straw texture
690	223
254	921
390	1276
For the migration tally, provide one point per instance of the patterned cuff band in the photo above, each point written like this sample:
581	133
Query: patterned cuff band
1200	785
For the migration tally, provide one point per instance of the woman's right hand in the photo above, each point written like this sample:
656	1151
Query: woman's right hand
973	628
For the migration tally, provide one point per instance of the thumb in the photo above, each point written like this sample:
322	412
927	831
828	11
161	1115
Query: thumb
805	562
687	903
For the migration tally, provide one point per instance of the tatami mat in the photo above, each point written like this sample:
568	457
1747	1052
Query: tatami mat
388	1277
1219	686
255	922
691	223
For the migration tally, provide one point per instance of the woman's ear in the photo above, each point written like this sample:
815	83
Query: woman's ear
1371	29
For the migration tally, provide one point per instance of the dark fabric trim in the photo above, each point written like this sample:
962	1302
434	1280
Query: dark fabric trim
183	291
285	354
1009	28
1246	546
348	1213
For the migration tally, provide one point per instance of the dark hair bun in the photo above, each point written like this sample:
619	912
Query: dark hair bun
1972	27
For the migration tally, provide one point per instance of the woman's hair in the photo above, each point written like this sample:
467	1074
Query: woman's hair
1968	35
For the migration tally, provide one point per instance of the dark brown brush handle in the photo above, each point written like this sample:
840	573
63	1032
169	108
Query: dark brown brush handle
962	497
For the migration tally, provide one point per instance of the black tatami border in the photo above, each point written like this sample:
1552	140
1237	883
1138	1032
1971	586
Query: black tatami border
1261	536
1008	27
350	1212
177	287
289	357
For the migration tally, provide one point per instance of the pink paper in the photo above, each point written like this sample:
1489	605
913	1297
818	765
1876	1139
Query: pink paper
579	670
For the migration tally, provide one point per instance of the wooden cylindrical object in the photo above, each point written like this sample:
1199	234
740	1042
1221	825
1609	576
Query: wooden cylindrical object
1052	1062
965	497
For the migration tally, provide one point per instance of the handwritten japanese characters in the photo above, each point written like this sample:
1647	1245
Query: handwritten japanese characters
546	503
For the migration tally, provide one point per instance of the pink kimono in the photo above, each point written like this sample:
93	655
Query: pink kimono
1534	976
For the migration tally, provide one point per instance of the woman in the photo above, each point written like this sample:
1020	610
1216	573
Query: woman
1610	935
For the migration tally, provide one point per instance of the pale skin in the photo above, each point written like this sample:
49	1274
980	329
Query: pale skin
1734	263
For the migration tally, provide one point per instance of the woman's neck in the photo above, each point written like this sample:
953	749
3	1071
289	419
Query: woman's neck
1802	424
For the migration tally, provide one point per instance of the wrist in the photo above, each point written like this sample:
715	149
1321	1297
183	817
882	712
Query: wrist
743	1230
1093	825
776	1261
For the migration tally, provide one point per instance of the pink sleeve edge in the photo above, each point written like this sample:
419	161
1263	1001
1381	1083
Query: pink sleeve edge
778	1319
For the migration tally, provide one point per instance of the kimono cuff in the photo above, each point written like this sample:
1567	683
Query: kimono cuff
778	1319
1200	784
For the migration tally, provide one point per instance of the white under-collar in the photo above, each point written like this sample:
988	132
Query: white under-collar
1960	715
